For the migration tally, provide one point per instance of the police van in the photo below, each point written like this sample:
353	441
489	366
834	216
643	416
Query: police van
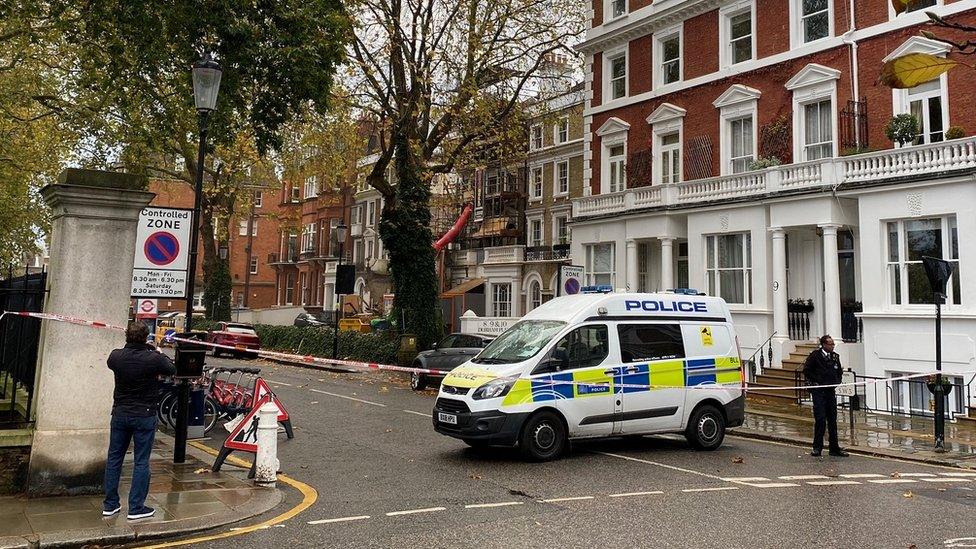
600	365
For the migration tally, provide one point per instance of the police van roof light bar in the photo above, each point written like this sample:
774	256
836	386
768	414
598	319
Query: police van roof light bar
597	289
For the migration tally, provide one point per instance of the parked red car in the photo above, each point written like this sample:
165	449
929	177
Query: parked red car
241	337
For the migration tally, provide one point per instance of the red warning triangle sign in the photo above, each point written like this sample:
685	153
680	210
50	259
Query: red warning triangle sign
245	435
260	389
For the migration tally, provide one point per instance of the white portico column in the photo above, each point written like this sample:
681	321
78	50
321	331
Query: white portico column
780	316
517	297
632	265
667	263
831	281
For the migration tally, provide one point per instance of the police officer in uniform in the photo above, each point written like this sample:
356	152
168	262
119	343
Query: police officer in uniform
823	368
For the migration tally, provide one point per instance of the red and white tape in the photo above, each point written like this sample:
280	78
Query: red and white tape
315	360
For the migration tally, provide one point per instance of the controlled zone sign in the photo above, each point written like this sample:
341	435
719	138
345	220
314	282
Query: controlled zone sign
162	251
570	279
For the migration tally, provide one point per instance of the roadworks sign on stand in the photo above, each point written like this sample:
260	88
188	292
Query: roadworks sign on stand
162	251
261	390
244	437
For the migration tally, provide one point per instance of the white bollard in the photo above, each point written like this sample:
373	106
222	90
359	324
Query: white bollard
266	459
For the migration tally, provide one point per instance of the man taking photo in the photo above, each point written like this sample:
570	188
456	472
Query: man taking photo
823	368
137	368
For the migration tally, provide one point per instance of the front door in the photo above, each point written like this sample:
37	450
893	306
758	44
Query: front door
651	377
578	383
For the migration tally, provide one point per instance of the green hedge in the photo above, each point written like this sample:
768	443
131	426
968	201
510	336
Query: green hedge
317	341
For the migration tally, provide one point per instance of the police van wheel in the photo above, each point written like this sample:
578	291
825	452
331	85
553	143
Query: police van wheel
418	381
543	437
706	428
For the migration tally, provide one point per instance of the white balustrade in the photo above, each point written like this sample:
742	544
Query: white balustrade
932	159
505	254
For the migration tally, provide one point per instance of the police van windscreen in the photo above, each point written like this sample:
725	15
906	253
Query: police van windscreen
520	342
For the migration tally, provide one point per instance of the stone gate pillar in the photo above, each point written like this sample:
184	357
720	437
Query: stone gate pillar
93	232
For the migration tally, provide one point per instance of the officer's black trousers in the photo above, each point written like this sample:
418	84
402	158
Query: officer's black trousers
825	418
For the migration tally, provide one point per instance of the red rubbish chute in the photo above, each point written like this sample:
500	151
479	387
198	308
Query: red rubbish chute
453	232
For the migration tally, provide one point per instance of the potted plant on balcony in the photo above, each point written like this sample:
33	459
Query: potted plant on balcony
902	129
799	305
955	132
764	162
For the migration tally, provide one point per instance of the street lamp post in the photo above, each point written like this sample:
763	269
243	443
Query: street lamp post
341	237
206	85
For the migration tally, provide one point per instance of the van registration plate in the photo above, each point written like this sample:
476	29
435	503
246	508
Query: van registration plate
447	418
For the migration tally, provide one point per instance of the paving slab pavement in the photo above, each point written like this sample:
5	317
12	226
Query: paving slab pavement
908	438
188	497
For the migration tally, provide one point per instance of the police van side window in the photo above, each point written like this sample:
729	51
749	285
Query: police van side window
584	347
646	342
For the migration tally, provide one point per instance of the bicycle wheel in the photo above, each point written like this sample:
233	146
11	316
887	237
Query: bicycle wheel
210	414
166	405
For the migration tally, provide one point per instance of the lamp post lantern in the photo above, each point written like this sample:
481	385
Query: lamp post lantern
341	237
206	85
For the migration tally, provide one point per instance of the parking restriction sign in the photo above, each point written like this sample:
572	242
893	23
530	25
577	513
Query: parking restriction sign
162	252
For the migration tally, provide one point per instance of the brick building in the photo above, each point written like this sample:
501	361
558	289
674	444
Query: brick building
253	279
738	147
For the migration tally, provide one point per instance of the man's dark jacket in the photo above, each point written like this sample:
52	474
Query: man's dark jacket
821	370
137	367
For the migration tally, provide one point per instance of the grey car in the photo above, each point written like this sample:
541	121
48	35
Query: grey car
447	354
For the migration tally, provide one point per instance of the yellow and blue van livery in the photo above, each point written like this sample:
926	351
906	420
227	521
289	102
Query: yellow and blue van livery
599	365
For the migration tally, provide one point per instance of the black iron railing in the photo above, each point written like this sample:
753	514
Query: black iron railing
19	342
851	327
547	253
799	322
910	397
755	364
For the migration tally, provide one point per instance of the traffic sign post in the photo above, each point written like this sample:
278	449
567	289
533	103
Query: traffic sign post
161	256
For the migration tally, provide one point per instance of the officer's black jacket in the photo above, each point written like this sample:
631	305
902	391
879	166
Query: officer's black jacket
137	367
820	370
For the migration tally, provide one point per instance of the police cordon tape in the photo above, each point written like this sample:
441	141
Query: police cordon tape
366	366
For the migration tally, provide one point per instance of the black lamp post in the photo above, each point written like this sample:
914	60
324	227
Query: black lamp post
938	272
206	85
341	237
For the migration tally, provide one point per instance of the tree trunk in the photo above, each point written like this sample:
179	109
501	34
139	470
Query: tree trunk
405	229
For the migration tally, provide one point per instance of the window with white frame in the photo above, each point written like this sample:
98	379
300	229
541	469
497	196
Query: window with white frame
308	237
742	148
728	267
616	8
818	130
681	265
357	251
290	289
908	241
179	166
617	75
296	193
670	147
600	264
535	294
355	215
311	186
258	199
535	141
501	302
371	213
536	187
242	227
561	134
913	396
562	230
562	177
535	232
303	288
669	48
813	22
926	103
916	5
737	33
616	174
370	249
253	266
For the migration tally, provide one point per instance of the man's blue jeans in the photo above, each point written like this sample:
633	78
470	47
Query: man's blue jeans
142	430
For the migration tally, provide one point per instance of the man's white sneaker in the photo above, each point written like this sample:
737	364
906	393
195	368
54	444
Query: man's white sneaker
111	512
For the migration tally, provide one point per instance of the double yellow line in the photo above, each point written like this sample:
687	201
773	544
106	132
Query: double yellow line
309	495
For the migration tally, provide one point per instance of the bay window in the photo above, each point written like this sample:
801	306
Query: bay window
908	241
728	267
600	264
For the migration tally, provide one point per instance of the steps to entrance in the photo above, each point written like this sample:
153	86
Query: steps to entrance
787	375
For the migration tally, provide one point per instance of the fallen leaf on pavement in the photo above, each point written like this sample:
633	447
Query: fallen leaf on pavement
737	460
896	474
476	477
202	470
314	402
384	389
908	494
389	431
